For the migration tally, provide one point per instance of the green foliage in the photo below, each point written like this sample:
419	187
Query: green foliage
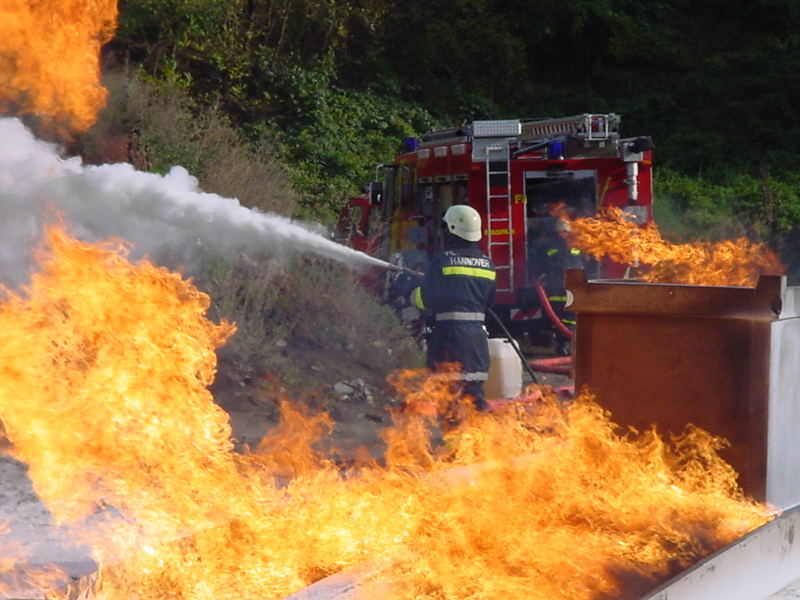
335	137
273	64
160	126
773	203
195	42
764	207
713	83
688	208
458	59
245	291
366	330
236	49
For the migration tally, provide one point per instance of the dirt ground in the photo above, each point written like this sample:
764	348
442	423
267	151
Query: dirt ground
360	402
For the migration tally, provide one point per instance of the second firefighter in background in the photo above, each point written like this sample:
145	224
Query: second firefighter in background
458	287
550	255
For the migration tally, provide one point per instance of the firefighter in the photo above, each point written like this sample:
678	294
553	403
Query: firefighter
551	256
458	286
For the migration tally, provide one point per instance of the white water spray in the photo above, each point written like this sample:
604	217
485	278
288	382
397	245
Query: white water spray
154	213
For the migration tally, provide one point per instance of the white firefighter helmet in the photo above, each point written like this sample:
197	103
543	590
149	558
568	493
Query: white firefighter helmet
562	225
463	221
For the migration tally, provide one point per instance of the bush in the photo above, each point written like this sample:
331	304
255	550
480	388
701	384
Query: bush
155	126
245	290
334	137
358	325
687	208
290	317
287	316
764	208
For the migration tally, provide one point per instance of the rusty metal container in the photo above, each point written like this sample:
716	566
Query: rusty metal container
726	359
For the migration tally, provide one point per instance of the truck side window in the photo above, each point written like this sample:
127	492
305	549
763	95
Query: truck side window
428	201
400	194
375	225
461	192
445	194
414	189
388	194
356	214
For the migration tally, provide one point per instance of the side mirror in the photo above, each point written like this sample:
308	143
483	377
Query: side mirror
376	193
633	151
640	145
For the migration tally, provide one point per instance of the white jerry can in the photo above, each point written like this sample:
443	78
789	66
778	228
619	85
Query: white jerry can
505	370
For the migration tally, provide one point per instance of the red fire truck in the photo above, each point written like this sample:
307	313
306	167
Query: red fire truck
512	172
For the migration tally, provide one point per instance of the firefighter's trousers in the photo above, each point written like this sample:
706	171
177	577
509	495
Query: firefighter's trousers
465	344
557	296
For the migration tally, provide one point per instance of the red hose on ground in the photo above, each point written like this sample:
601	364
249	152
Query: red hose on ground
540	364
560	365
556	369
548	309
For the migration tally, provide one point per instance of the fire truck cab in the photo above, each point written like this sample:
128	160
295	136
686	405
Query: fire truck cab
513	172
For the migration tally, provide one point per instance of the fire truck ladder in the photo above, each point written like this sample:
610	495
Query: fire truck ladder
588	127
498	210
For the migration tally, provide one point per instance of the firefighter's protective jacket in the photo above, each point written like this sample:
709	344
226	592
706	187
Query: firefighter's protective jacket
458	286
549	256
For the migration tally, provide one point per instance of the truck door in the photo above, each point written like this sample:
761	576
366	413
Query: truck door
576	191
551	195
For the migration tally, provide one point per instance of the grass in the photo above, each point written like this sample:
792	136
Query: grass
156	126
307	321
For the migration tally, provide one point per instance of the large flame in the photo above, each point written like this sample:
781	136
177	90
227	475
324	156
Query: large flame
49	53
729	263
103	394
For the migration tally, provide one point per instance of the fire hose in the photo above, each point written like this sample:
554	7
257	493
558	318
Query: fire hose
561	365
548	309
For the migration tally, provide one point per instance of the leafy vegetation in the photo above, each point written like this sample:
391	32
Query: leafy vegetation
340	83
763	207
156	125
290	104
336	137
289	316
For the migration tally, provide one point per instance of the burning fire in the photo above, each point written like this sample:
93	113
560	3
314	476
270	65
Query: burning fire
50	55
727	263
103	393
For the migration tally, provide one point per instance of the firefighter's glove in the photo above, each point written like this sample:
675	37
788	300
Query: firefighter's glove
401	288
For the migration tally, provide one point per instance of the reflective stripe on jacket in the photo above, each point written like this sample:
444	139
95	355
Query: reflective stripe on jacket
460	280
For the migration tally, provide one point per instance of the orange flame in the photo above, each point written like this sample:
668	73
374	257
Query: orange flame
50	55
103	393
728	263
